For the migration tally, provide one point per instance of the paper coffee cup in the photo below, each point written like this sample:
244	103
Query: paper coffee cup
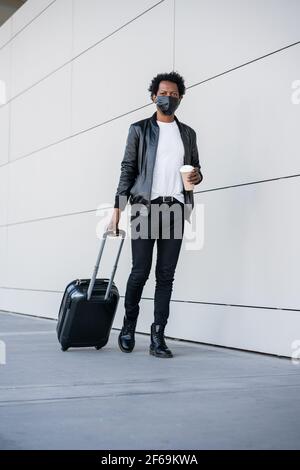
185	171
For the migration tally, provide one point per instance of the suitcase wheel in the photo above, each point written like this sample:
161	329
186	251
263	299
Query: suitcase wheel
98	347
64	348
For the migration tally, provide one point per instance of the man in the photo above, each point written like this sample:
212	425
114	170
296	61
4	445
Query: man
156	148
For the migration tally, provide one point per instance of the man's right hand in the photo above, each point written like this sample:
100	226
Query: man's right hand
114	222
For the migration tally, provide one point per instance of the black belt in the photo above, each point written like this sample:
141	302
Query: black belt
165	199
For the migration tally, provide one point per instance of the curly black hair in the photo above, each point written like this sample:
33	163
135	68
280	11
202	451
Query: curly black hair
171	77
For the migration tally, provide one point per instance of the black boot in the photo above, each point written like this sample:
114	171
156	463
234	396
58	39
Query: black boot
158	346
126	338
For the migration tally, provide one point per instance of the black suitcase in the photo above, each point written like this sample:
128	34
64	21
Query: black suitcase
88	307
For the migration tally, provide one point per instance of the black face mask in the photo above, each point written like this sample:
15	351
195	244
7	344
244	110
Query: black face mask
167	104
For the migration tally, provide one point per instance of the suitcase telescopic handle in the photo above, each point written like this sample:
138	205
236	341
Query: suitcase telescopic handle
96	268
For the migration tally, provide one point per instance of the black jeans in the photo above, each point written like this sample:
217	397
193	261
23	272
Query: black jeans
169	241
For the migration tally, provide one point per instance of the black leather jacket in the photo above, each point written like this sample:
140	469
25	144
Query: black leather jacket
139	158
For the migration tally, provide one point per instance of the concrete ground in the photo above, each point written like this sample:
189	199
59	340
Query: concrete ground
204	397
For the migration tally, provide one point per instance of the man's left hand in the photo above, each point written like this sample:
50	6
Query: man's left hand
194	177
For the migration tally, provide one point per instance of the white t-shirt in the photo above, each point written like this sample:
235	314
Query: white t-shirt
167	179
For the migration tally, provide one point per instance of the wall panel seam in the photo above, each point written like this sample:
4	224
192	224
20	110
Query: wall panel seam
78	55
57	216
191	86
26	25
219	304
